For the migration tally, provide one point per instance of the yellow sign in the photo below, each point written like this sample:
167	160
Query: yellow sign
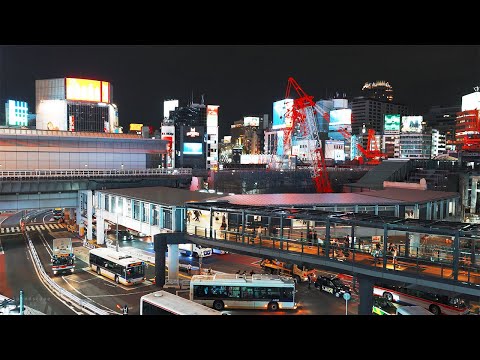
136	127
88	90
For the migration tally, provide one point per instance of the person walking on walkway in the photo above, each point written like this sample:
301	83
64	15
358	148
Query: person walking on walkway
309	281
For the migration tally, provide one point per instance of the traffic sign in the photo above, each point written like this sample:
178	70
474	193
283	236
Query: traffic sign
347	296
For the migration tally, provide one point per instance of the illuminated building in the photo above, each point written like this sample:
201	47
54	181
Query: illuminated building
438	143
248	134
415	142
16	113
378	90
467	119
370	113
71	104
443	119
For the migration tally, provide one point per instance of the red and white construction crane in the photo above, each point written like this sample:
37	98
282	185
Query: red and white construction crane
303	118
372	153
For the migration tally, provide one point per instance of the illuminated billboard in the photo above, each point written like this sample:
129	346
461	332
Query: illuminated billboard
169	105
136	127
87	90
412	124
471	101
52	115
192	148
282	114
251	121
212	115
392	122
16	113
340	117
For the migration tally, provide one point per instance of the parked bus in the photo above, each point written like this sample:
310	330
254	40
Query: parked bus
259	291
117	266
436	302
165	303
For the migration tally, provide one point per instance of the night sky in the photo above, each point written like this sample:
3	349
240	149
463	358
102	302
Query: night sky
243	79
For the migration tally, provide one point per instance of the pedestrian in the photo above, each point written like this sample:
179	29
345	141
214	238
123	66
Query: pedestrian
189	269
125	309
309	281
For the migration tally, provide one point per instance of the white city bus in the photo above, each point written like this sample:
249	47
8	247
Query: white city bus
118	266
165	303
259	291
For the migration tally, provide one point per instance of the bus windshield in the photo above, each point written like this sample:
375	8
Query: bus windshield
135	272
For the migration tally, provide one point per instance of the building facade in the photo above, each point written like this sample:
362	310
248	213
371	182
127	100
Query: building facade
370	113
25	149
76	105
378	90
443	119
438	143
415	145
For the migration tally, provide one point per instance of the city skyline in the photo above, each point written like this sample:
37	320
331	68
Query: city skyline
243	79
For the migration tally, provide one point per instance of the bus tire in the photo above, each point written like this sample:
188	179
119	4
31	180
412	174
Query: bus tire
273	306
388	296
218	305
117	280
435	309
98	270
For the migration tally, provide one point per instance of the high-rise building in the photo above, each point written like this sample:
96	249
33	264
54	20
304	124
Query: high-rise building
378	90
371	113
248	134
438	143
467	119
71	104
443	119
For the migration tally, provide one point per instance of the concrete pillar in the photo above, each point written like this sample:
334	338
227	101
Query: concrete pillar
435	210
327	238
79	209
366	295
352	235
376	209
356	208
172	262
281	232
397	211
407	244
442	211
416	210
473	197
385	241
243	226
161	220
100	227
211	223
89	213
160	247
414	243
429	210
174	218
456	253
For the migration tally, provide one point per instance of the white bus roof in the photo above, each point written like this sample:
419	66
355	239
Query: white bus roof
255	279
116	256
412	310
177	305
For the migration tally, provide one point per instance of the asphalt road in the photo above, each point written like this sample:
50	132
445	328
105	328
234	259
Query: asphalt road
21	275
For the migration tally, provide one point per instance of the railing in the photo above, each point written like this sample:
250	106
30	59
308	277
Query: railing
40	174
417	260
57	288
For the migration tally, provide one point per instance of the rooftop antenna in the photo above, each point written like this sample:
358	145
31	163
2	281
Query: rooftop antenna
192	97
203	101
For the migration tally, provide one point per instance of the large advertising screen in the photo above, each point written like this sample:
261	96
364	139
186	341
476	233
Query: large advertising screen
392	122
412	124
341	117
192	148
88	90
169	105
136	127
471	101
282	111
251	121
212	115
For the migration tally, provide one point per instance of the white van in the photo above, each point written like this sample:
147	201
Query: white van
412	310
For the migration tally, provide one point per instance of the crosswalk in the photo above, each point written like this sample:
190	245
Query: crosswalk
16	229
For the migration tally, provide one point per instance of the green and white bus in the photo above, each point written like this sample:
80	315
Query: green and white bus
232	291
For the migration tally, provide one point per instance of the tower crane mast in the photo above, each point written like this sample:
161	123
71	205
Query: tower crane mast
303	117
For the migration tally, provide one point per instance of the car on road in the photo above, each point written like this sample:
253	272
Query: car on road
124	235
333	285
382	306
